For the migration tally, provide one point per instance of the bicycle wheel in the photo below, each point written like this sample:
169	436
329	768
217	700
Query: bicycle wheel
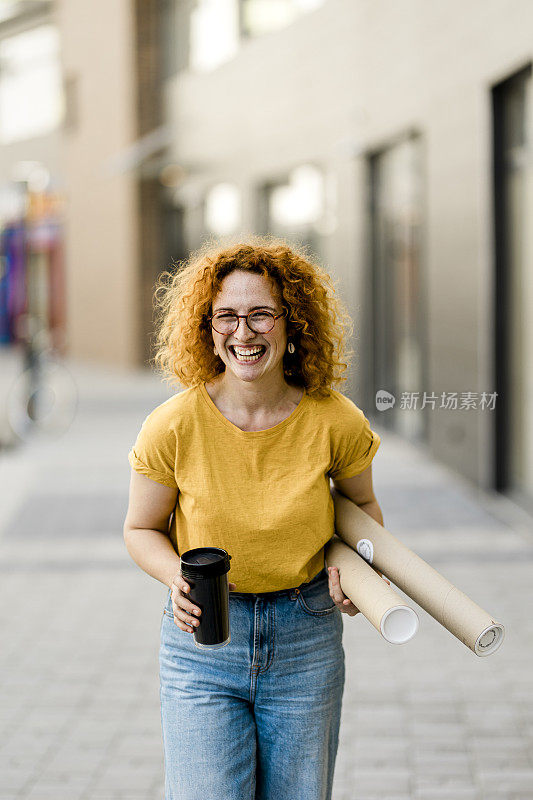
42	402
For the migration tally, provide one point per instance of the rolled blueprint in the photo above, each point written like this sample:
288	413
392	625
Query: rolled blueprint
374	598
445	602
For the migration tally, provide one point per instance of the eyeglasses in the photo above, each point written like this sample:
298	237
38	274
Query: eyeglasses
258	321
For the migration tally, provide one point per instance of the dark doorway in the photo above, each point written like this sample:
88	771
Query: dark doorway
397	287
513	247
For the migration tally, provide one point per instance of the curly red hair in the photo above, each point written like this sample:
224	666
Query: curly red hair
317	321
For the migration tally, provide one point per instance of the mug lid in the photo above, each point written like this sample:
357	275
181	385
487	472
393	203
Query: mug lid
205	562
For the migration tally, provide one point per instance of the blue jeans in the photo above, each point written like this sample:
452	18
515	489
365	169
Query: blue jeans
259	718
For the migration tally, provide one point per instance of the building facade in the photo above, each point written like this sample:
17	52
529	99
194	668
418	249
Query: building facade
395	139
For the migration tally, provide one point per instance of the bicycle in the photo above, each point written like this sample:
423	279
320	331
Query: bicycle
42	401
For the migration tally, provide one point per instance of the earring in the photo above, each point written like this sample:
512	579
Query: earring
290	348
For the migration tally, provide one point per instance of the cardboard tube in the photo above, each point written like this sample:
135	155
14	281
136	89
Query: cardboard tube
374	598
446	603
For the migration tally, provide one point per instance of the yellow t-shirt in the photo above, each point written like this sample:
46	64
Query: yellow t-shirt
263	496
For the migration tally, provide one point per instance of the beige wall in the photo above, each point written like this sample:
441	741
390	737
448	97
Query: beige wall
101	241
345	79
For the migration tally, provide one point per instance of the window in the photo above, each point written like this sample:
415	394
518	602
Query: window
214	34
397	279
301	208
222	214
263	16
31	96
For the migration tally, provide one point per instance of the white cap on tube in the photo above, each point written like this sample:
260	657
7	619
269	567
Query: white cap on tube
399	624
489	640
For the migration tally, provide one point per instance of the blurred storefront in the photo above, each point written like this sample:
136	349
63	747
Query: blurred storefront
32	283
81	103
33	286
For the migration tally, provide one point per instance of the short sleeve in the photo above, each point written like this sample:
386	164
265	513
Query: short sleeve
354	443
154	451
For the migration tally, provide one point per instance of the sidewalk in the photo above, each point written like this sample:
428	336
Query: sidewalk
79	695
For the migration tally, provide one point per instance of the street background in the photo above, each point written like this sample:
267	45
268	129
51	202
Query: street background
391	143
79	696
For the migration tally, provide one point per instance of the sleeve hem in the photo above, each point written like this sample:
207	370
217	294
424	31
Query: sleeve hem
358	466
143	469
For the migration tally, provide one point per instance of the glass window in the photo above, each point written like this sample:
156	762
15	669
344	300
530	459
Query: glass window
223	209
299	201
398	297
214	33
31	95
263	16
301	208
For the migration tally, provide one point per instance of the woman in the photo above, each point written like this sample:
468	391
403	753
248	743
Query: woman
242	460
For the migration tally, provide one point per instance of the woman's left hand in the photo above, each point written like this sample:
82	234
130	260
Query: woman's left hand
342	602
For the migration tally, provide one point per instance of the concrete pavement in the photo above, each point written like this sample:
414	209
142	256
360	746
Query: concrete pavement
79	695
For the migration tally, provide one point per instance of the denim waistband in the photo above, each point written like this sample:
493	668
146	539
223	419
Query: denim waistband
282	592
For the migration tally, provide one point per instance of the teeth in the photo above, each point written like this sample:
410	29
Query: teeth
252	354
247	352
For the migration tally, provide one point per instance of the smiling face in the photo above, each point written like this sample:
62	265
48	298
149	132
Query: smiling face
241	291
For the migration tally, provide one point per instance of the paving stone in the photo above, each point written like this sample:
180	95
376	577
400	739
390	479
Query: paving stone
348	794
446	793
502	762
13	779
61	793
517	778
498	744
507	794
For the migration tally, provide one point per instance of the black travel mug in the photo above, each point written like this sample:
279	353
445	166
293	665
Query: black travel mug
205	570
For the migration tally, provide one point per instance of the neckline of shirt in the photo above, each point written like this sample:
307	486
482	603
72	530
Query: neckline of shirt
251	434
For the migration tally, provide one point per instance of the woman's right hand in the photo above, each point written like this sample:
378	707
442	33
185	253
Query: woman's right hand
186	614
342	602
